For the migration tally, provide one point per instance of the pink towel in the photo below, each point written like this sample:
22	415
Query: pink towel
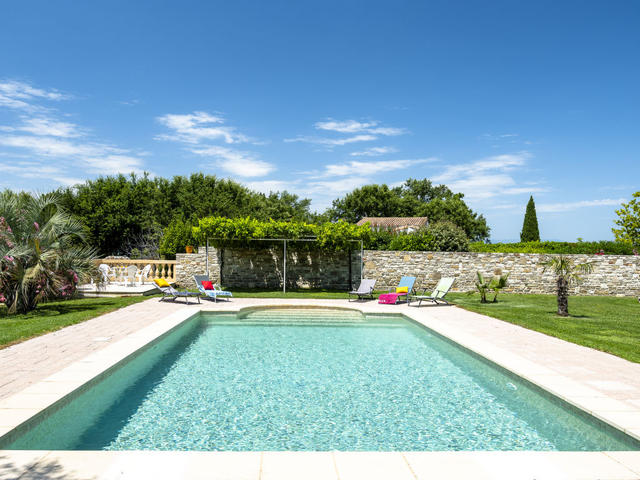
389	298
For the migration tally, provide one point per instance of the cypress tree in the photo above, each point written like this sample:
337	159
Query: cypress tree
530	232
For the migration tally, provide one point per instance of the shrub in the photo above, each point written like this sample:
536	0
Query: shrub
448	237
176	237
419	241
42	255
589	248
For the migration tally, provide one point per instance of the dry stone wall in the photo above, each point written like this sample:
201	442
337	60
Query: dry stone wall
263	268
612	274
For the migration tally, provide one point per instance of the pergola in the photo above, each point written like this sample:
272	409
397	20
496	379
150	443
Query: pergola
284	255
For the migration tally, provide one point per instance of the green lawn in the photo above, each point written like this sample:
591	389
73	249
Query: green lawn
610	324
52	316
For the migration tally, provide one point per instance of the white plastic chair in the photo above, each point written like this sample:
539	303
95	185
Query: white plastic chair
143	274
107	272
130	275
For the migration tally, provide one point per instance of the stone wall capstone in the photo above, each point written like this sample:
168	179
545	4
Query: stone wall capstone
248	268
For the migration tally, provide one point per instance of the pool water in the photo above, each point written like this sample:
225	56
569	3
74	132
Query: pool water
312	380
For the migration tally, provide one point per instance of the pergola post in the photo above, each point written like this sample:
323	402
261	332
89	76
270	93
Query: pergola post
284	270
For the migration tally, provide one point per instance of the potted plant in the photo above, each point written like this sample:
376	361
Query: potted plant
188	248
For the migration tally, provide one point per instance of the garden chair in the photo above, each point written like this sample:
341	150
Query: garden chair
130	275
364	290
214	292
143	274
168	292
107	272
437	296
404	289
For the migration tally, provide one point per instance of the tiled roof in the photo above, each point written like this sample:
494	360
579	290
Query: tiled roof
393	223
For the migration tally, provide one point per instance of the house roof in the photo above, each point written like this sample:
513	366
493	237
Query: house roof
393	223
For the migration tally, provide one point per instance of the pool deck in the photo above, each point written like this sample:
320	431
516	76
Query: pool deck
39	372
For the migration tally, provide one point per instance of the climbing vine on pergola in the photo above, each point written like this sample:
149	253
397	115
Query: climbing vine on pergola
250	233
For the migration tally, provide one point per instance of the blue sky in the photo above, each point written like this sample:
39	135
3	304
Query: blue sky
497	99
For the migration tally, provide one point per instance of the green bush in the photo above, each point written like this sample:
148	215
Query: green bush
176	237
421	240
448	237
592	248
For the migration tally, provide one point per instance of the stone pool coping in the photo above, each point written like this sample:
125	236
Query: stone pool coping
25	406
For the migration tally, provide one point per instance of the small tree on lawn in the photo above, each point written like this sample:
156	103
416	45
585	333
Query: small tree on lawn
567	273
530	231
629	222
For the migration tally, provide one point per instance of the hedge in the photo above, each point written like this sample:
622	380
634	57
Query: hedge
592	248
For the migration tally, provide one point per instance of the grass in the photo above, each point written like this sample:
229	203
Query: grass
609	324
48	317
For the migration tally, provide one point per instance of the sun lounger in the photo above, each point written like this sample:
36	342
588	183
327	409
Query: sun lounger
397	293
437	296
364	290
214	293
168	292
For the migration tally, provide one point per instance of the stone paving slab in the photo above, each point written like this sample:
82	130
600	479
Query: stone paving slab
33	360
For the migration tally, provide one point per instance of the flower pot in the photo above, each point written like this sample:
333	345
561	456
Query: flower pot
188	249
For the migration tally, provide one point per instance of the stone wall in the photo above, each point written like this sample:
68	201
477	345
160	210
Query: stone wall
190	264
263	268
612	274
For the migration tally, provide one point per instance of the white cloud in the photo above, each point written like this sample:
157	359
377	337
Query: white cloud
354	126
242	164
567	206
18	95
46	126
333	188
332	142
197	127
268	186
357	131
373	152
355	167
488	177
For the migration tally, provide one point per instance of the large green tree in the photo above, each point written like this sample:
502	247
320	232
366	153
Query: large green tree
415	198
530	231
117	209
629	222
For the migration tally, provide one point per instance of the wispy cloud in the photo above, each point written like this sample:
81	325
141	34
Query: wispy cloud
235	162
197	127
19	95
488	177
567	206
354	126
199	130
54	147
373	152
355	167
332	142
357	131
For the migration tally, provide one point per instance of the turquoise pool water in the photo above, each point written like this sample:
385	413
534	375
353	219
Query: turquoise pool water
313	380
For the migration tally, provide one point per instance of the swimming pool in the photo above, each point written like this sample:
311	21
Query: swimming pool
303	379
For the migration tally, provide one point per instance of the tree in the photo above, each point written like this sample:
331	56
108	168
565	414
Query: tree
495	284
530	231
415	198
567	273
629	222
120	211
41	251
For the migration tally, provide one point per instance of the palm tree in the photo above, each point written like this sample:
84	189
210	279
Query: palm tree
567	273
42	251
